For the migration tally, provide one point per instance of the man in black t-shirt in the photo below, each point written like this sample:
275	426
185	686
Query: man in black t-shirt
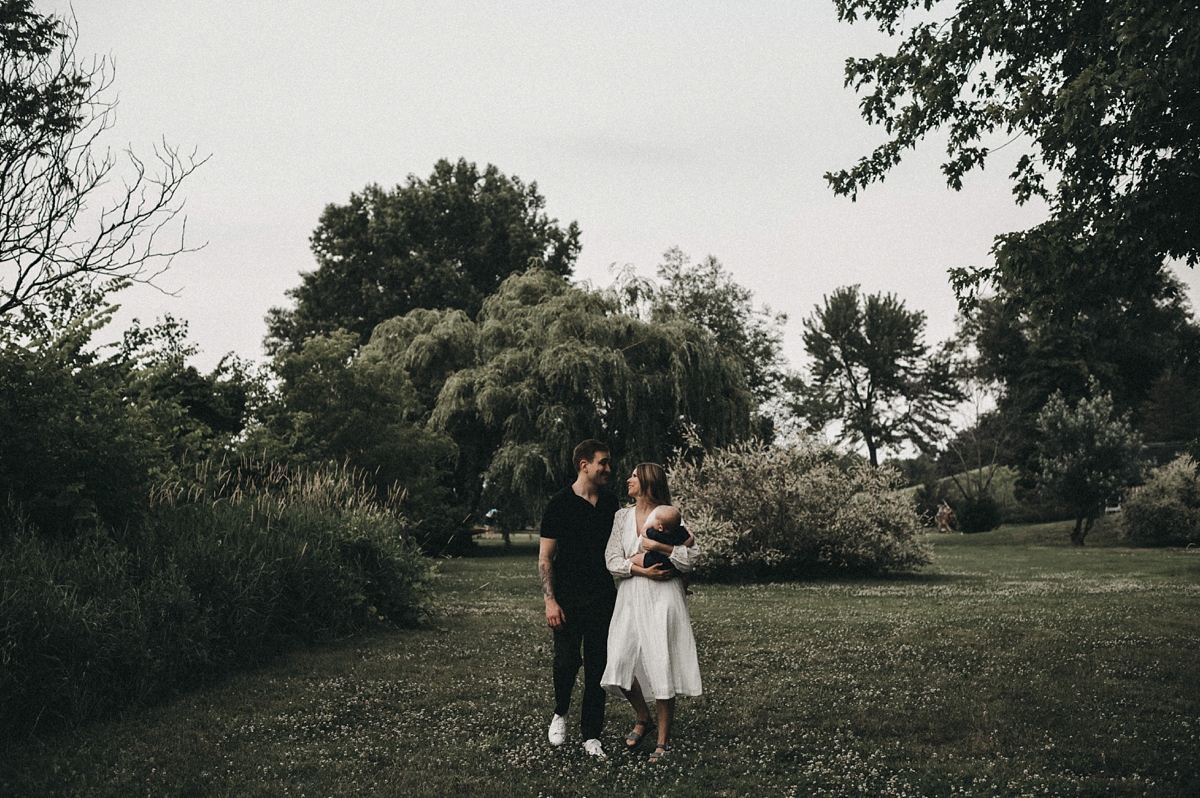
579	590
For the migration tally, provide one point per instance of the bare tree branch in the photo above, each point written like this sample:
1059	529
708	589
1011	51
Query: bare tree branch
62	219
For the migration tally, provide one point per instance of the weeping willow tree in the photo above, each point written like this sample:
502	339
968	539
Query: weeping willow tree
546	364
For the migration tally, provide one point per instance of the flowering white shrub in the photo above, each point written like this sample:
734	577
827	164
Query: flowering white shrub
783	510
1166	512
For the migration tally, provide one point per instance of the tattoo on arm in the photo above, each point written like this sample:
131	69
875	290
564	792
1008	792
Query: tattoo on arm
545	574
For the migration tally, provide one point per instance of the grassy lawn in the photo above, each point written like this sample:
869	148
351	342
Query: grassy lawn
1015	666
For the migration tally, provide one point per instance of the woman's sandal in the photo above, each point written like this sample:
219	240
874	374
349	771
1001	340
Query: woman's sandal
635	736
660	750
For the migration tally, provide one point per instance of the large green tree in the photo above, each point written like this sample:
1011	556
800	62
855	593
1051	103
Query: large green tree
547	364
872	374
445	242
1143	349
705	294
337	404
431	346
1105	92
1087	453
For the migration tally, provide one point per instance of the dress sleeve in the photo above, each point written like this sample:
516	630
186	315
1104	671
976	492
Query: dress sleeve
614	553
683	557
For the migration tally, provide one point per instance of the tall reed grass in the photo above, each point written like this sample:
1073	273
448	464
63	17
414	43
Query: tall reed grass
226	569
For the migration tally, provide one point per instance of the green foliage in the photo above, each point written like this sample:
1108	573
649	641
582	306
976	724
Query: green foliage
978	514
873	374
1166	511
1109	94
72	449
790	510
1142	348
1171	411
430	345
1087	455
442	243
337	405
706	295
85	433
230	568
548	364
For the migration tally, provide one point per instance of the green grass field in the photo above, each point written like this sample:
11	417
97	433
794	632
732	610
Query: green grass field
1015	666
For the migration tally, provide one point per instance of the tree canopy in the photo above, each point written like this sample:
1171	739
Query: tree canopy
705	294
336	405
547	364
1106	91
873	373
442	243
1088	454
1144	350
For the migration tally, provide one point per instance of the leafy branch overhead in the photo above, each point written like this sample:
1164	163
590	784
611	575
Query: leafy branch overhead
1106	93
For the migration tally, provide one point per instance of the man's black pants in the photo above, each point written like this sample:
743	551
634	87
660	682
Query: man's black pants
586	628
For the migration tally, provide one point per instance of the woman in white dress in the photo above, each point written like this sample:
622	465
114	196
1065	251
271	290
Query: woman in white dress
651	649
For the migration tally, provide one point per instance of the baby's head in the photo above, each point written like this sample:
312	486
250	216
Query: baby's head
665	518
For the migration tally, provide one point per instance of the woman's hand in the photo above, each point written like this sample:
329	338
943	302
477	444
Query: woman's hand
659	572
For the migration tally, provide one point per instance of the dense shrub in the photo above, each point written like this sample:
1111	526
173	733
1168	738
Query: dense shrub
87	431
788	510
1166	512
928	497
232	570
981	514
73	447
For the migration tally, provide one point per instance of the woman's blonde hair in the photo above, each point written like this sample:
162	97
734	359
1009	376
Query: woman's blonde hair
653	481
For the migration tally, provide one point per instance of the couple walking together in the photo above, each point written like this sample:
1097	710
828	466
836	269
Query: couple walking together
636	639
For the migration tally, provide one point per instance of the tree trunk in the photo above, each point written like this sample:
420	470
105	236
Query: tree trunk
1083	525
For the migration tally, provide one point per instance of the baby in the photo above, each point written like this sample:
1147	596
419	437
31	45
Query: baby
664	525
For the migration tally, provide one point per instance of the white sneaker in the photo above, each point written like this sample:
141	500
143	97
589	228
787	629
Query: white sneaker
594	748
558	730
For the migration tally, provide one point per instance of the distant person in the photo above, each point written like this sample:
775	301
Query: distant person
489	523
651	648
578	590
944	518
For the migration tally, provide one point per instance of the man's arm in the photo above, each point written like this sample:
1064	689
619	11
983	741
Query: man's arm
554	613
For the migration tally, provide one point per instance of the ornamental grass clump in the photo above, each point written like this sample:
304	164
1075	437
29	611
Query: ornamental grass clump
230	569
779	511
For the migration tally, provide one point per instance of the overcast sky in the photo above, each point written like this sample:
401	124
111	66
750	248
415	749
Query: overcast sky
703	125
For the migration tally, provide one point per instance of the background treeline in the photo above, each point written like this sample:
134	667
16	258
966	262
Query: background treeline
140	551
160	524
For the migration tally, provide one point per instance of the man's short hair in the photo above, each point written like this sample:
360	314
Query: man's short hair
587	451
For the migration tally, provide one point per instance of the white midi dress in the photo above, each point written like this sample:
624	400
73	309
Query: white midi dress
650	636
